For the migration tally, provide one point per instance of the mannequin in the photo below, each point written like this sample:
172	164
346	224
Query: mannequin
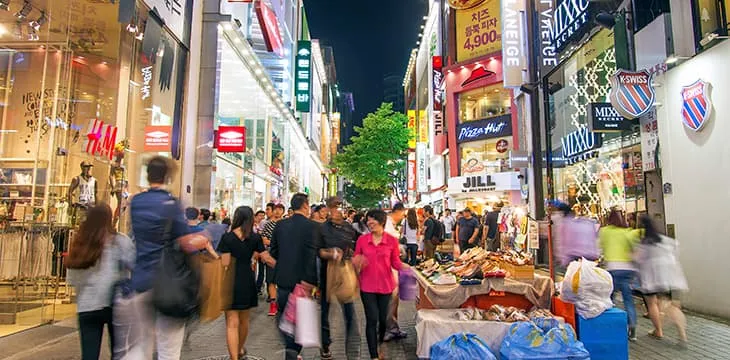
86	197
118	182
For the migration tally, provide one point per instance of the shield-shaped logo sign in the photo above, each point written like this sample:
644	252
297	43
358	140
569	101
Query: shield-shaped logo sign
696	104
632	92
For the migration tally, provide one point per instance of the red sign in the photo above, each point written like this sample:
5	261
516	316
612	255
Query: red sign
411	172
100	139
502	146
270	28
230	139
157	138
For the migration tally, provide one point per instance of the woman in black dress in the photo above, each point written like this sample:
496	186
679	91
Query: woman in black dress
242	244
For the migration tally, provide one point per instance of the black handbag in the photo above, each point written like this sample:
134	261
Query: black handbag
177	285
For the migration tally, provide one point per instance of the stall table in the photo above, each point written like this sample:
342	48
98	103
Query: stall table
433	326
523	294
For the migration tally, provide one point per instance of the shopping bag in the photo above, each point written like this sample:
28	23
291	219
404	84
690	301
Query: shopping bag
307	333
407	285
287	322
524	340
461	347
588	287
342	284
228	278
211	283
176	288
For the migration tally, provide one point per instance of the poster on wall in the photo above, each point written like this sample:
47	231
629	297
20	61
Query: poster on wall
478	31
422	167
649	140
411	171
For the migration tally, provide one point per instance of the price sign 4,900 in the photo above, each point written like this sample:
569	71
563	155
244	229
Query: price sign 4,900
482	39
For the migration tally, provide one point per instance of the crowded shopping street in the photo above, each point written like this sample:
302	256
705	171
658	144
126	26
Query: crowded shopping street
406	179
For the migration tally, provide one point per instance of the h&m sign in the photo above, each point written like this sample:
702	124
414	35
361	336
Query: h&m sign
580	145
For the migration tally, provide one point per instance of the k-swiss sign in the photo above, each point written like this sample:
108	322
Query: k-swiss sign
231	139
696	105
632	93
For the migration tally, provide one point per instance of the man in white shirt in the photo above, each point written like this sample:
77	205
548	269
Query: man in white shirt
449	222
392	227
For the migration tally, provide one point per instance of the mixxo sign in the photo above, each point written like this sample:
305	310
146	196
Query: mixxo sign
605	118
568	19
580	145
303	75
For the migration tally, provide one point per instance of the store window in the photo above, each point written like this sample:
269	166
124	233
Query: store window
488	156
484	102
608	172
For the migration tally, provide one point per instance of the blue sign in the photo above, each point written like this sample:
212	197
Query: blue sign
491	128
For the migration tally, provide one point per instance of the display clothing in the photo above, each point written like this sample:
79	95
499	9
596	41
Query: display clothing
659	267
86	187
244	286
61	212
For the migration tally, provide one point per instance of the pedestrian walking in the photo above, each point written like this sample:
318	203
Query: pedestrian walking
662	279
617	242
576	237
267	234
358	223
409	232
192	215
205	216
241	243
335	240
432	235
467	231
95	263
392	227
376	256
292	246
155	215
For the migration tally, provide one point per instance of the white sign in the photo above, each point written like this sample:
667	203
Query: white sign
506	181
422	167
146	79
549	58
649	140
514	60
173	13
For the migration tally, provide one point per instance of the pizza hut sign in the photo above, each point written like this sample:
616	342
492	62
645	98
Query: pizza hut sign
230	139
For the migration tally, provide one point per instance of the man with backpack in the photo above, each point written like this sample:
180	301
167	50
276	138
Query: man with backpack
433	234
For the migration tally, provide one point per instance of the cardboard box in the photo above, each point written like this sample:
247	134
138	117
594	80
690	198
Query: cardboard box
520	272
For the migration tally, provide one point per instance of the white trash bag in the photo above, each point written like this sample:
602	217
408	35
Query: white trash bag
588	287
307	332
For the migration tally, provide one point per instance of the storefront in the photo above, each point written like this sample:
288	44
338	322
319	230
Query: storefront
91	91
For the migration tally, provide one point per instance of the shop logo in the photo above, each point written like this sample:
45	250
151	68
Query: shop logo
464	4
230	139
696	105
580	145
502	146
100	139
270	28
568	19
477	74
632	92
478	182
491	128
157	138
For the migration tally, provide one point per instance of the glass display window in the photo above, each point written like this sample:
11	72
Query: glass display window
483	103
478	157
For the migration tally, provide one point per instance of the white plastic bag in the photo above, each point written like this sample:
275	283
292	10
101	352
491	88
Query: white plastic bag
307	332
588	287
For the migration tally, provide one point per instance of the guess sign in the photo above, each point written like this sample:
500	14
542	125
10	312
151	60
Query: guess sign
230	139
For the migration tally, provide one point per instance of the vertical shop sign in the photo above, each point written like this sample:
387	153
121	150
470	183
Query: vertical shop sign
173	13
548	56
336	128
649	140
303	77
422	126
477	31
230	139
100	139
270	28
422	166
157	138
632	92
411	171
514	60
437	83
332	191
412	127
569	17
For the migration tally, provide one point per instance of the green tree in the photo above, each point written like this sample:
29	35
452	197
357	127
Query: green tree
375	158
364	198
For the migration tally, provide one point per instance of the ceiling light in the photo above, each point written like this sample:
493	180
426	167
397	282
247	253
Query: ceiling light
425	17
423	26
3	30
258	71
36	24
5	5
27	7
672	59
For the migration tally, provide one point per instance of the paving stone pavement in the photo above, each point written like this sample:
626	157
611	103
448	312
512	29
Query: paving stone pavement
708	339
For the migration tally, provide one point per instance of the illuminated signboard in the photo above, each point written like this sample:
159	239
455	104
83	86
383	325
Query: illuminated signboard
157	138
230	139
303	76
100	139
270	28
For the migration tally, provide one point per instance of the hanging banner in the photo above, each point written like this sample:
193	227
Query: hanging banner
412	127
422	166
422	126
603	117
437	91
478	31
548	56
303	76
269	28
649	140
514	59
411	171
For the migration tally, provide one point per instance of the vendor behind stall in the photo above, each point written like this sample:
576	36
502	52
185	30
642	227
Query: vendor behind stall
467	230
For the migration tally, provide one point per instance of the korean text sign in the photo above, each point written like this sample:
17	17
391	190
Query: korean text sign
478	31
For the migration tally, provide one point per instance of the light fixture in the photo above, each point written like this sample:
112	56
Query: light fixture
671	60
3	30
36	24
132	28
227	27
425	17
24	11
5	5
605	19
423	26
418	42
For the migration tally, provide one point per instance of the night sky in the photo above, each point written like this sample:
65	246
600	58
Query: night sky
370	39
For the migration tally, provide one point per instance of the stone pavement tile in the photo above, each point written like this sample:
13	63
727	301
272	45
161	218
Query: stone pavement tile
17	344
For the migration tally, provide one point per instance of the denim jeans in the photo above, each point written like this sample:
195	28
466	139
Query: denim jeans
622	280
376	316
412	252
292	349
348	311
91	329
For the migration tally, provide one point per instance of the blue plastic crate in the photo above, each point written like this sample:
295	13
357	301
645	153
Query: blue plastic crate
605	336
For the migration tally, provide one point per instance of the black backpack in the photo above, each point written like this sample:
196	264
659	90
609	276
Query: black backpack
439	232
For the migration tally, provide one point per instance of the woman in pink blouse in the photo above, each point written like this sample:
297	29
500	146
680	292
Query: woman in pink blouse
376	255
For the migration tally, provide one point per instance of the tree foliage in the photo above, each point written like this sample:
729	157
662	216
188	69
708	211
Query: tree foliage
376	153
364	198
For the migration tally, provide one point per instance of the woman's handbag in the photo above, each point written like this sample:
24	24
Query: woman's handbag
342	282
